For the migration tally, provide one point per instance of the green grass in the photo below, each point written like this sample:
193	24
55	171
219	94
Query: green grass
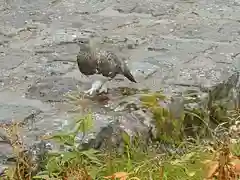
142	164
146	163
148	166
235	148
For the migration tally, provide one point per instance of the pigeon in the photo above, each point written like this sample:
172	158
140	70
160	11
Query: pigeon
95	61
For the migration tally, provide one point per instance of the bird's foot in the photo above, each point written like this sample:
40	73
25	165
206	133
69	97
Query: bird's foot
103	89
89	92
96	86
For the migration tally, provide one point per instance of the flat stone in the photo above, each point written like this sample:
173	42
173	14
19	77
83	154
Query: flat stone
5	151
52	89
14	107
7	56
142	69
18	113
109	127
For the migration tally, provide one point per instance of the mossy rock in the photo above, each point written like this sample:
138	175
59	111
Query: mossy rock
168	129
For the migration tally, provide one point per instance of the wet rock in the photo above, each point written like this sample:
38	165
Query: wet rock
19	112
62	36
56	68
142	69
13	98
180	108
52	89
223	90
125	8
17	108
133	43
3	41
176	106
66	52
2	169
7	57
46	68
129	103
111	134
9	31
154	8
6	152
216	100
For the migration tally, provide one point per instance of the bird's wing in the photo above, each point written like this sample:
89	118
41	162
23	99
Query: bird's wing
106	64
123	68
127	73
110	65
119	66
87	63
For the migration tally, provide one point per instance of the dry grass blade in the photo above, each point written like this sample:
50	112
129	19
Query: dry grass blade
134	178
24	166
77	173
223	168
119	175
213	167
161	172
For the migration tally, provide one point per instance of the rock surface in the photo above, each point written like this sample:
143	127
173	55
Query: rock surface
169	45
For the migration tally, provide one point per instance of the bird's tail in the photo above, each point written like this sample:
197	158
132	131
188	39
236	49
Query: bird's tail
128	75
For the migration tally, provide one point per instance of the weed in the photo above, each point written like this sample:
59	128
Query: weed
134	163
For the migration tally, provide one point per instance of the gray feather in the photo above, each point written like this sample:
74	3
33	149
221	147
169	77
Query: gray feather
100	62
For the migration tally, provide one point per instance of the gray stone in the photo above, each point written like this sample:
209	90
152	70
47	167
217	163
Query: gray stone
2	169
11	59
52	89
6	152
16	112
108	130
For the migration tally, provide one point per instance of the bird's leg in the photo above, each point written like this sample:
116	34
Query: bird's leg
104	87
95	87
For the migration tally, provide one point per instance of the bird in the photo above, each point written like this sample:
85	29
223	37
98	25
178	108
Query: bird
92	61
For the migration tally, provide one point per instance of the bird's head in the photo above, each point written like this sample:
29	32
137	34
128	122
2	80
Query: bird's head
83	42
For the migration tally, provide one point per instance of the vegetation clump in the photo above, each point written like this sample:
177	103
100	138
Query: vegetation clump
219	160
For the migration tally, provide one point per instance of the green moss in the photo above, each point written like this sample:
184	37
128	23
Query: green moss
168	129
126	91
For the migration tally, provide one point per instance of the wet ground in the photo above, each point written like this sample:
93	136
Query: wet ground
167	43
